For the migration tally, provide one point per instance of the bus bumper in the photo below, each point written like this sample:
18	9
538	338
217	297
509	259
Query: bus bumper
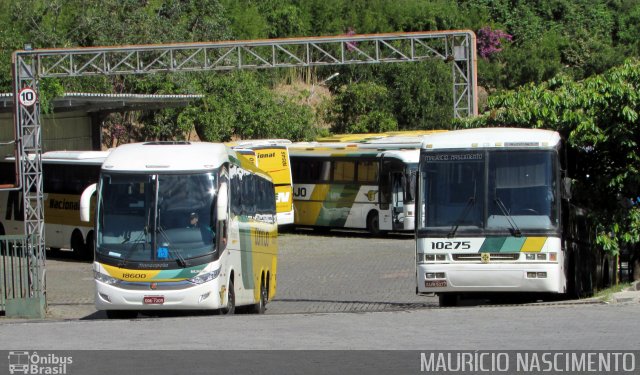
284	218
205	296
438	278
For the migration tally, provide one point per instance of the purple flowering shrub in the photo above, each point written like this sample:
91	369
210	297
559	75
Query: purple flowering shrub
490	41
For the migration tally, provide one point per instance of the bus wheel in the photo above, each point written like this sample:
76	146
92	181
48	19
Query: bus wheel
88	248
448	299
122	314
261	306
77	244
231	301
373	223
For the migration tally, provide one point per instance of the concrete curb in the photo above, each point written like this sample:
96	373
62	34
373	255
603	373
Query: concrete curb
629	295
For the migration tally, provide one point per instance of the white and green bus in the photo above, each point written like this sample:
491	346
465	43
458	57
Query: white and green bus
346	186
494	215
182	226
65	175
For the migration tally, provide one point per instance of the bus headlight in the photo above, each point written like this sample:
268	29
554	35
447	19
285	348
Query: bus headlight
205	277
104	278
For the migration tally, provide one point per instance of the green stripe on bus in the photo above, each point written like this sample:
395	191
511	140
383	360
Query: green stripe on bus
513	244
492	245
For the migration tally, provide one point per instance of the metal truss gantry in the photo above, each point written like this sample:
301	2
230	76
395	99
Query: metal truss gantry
457	48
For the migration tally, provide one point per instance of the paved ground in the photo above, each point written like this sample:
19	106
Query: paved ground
335	272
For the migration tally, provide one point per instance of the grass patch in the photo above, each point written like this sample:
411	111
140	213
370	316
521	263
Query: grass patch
607	294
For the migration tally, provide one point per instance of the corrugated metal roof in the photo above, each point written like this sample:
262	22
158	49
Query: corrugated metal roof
96	102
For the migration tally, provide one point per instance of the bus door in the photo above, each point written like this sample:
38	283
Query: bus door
397	199
391	193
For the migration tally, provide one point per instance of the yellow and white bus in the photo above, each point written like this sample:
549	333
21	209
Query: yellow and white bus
272	156
494	214
347	186
65	176
182	226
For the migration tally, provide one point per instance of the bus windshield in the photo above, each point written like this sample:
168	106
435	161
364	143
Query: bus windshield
499	191
156	217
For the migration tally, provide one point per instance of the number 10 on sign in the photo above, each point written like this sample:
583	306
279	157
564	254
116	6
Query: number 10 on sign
27	97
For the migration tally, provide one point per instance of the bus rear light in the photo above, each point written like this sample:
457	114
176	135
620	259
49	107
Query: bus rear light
541	256
531	275
530	256
429	257
553	257
441	257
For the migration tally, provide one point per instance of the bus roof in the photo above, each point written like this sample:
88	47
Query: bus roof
258	142
75	157
386	137
492	138
70	157
166	156
314	149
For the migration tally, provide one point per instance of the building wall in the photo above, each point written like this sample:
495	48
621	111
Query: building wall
60	131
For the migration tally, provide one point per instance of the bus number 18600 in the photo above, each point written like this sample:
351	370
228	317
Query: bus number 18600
450	245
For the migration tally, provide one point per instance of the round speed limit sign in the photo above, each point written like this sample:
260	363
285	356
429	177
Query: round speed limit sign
27	96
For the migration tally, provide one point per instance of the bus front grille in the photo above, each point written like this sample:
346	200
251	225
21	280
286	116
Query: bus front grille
477	257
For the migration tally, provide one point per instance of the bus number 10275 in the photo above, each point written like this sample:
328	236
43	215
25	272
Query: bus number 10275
450	245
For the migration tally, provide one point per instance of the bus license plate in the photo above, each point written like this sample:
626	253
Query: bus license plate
153	300
435	283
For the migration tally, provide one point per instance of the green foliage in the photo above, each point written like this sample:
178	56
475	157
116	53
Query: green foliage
50	88
357	108
599	118
550	38
421	94
237	105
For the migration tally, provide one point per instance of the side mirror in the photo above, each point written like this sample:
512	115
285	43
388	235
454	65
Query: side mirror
567	187
222	205
85	202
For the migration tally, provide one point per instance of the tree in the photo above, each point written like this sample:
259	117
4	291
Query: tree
239	106
599	118
362	108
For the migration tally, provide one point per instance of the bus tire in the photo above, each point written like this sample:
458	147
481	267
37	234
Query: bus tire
230	309
88	247
261	306
122	314
577	284
373	223
77	244
448	299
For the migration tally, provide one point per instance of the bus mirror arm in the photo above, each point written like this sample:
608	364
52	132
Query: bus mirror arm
567	187
222	205
85	202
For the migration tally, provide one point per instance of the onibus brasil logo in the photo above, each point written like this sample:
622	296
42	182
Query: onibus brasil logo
23	362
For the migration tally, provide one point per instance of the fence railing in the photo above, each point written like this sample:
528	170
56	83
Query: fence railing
22	278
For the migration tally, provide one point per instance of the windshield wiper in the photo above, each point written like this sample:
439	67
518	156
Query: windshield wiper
465	212
505	212
179	258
